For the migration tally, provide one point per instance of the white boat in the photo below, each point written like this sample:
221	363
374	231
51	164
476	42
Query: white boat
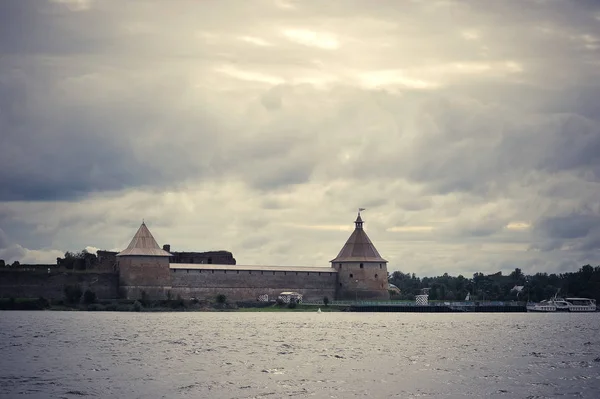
563	305
581	304
544	306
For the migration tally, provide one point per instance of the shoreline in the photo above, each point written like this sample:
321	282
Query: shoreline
178	305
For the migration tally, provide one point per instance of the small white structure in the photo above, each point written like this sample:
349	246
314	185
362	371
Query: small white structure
287	297
422	300
263	298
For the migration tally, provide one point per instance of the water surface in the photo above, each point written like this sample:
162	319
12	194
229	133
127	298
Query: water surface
277	355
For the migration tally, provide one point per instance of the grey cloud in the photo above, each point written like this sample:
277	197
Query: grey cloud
577	232
569	226
54	149
12	253
3	239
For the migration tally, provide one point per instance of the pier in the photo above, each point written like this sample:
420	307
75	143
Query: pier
432	307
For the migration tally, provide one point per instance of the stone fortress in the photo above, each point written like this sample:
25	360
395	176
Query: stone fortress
146	269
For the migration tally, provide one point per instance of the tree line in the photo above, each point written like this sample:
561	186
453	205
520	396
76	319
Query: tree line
498	287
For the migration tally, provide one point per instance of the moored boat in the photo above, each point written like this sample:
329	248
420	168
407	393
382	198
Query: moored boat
544	306
563	305
581	304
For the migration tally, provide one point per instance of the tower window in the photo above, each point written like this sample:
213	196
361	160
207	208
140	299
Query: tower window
340	284
375	275
351	275
380	266
340	265
361	266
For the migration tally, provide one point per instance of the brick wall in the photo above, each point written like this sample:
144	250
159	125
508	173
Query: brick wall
248	285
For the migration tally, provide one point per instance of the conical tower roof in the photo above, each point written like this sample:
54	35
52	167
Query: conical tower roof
143	244
359	247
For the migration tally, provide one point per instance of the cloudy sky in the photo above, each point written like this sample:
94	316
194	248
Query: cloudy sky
470	130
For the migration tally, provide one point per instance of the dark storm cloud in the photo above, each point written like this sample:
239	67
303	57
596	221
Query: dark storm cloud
3	239
569	226
55	146
572	232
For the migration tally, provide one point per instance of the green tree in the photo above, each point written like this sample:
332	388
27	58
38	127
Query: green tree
73	293
221	298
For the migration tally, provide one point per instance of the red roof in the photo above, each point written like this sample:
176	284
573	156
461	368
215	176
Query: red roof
359	247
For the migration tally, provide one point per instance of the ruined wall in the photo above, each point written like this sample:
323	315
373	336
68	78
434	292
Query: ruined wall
26	284
210	257
362	280
107	260
248	285
150	274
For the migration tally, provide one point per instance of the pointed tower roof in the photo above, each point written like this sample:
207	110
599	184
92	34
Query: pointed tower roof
143	244
359	247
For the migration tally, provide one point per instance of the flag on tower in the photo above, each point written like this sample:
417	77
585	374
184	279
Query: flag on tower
361	209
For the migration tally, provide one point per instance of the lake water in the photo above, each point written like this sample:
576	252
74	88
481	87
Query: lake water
277	355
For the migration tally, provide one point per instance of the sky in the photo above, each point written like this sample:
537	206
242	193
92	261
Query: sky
469	130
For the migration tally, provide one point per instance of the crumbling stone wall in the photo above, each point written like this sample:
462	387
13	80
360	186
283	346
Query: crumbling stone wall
35	284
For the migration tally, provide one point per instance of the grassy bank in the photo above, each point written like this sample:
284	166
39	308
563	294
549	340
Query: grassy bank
298	308
177	305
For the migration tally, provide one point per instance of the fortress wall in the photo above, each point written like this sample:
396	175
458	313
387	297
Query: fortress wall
23	284
248	285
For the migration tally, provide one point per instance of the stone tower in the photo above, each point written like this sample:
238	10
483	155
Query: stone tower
362	272
144	266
